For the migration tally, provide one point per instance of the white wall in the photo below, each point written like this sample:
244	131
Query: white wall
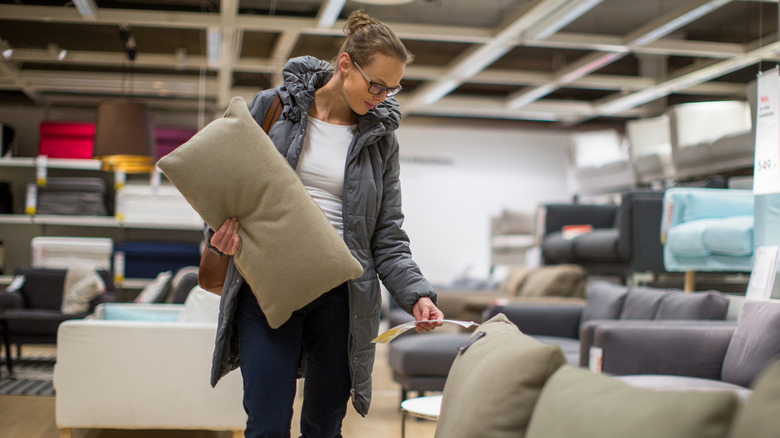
456	175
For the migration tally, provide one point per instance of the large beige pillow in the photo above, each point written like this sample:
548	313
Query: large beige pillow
289	252
577	402
493	385
82	285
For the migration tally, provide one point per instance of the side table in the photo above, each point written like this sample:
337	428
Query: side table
420	407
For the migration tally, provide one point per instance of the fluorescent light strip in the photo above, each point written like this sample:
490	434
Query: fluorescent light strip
87	8
213	45
329	13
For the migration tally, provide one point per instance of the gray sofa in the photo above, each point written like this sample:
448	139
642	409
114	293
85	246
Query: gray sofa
422	362
693	354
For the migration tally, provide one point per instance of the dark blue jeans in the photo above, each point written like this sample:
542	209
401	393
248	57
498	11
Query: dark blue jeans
270	359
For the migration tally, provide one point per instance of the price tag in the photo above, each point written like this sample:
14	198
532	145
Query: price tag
32	198
41	169
154	180
119	268
762	277
119	205
766	171
120	179
596	355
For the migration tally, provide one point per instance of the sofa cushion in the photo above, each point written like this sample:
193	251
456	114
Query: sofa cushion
38	286
200	306
557	249
713	203
289	254
754	344
642	303
557	280
700	305
731	236
495	382
759	418
82	285
604	301
577	402
599	245
687	239
161	285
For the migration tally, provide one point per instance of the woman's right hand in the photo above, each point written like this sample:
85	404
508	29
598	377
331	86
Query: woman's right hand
225	239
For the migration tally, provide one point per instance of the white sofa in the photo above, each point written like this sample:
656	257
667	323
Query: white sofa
145	374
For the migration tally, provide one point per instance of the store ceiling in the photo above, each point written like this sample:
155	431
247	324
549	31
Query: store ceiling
548	62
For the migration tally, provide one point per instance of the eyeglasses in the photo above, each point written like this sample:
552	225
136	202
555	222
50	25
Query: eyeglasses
375	88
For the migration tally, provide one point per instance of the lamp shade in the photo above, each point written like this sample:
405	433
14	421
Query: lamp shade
124	136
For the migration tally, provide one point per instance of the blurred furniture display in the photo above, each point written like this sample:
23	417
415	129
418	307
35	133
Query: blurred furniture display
701	354
161	204
707	230
505	383
145	366
35	305
601	163
606	239
148	259
66	139
73	196
7	140
63	252
421	363
168	138
512	234
712	137
651	148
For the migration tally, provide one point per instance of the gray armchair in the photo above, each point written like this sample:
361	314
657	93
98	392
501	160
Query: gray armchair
702	353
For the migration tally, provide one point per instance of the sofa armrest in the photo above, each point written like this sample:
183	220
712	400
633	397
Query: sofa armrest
142	375
683	348
543	319
453	302
639	222
11	300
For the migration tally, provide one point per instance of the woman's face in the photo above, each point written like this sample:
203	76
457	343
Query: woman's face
383	70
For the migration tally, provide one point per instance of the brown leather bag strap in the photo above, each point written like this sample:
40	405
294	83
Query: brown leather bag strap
274	111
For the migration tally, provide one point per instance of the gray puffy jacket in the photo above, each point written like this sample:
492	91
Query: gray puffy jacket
372	221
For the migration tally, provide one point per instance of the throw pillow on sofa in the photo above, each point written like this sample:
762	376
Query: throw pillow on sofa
577	402
82	284
494	383
289	254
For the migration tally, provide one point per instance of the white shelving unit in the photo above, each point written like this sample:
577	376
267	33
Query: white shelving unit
16	230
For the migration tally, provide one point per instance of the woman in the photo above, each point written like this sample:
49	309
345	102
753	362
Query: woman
336	131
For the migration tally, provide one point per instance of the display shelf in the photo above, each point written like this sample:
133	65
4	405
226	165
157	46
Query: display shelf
53	163
94	221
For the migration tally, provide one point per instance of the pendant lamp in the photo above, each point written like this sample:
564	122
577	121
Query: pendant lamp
124	136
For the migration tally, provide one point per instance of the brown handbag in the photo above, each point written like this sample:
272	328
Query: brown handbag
213	267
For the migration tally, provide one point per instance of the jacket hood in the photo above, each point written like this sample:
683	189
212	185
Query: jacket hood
305	74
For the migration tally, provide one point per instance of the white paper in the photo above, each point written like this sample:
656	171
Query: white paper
396	331
762	277
766	172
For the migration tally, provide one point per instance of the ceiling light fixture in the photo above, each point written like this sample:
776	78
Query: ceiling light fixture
87	8
329	13
213	43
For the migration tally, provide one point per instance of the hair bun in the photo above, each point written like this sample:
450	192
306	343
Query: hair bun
356	21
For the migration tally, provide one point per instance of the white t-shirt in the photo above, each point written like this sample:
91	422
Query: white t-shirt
321	166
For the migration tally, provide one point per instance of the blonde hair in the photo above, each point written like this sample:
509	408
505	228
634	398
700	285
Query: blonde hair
367	37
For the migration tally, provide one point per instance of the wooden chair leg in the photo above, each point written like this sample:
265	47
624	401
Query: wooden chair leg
66	432
690	281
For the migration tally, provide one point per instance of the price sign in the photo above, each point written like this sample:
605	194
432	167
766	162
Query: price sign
766	172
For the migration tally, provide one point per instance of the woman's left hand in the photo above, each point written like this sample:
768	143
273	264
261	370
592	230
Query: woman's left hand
424	309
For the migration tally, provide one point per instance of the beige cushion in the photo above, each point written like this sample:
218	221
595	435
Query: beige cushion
556	280
759	418
154	288
577	402
289	252
82	284
493	385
